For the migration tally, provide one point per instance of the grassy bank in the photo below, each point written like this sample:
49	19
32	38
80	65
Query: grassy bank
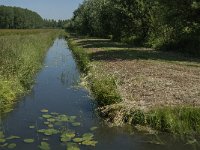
141	86
103	87
21	55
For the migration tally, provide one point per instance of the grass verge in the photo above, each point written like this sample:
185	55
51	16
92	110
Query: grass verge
103	87
21	55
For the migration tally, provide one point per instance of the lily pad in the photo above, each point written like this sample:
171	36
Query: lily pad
46	116
46	123
13	137
89	143
78	140
32	127
54	113
88	136
11	146
29	140
72	119
75	124
51	120
44	111
4	145
62	118
44	146
50	125
2	140
67	136
93	128
72	146
48	132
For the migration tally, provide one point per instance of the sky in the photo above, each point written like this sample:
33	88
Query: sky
48	9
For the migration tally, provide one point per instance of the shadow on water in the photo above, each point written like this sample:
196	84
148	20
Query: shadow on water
54	91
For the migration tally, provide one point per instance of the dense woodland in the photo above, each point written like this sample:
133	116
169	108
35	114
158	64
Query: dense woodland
19	18
161	24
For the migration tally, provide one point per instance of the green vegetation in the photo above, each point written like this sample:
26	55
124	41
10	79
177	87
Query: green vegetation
62	127
81	55
161	24
19	18
181	120
103	87
21	55
141	86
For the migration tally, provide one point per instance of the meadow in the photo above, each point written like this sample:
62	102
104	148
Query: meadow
141	86
21	56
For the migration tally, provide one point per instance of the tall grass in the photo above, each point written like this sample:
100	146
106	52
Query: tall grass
181	120
21	55
103	87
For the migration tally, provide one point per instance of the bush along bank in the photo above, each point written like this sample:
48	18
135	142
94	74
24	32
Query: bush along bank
21	56
176	120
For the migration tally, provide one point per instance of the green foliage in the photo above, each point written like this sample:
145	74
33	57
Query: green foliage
162	24
181	120
81	56
21	55
19	18
104	89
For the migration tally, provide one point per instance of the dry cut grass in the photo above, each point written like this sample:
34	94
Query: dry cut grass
147	78
141	86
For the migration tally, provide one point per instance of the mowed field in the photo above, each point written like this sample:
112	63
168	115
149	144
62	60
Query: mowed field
147	78
160	89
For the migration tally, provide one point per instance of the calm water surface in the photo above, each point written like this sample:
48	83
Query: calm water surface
55	89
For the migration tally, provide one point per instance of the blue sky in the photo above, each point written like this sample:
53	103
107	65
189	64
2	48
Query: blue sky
50	9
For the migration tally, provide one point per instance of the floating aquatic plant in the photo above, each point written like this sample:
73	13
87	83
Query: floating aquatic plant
72	146
55	123
46	116
29	140
44	146
67	136
77	140
32	127
93	128
12	145
88	136
75	124
48	132
13	137
2	140
44	110
89	143
4	145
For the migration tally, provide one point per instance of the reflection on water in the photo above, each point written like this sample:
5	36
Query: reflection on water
54	90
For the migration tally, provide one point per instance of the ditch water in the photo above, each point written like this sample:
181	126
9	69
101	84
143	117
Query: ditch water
56	91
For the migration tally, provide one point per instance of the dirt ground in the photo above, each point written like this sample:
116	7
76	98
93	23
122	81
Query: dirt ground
147	78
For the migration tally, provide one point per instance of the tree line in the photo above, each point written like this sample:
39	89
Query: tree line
19	18
161	24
